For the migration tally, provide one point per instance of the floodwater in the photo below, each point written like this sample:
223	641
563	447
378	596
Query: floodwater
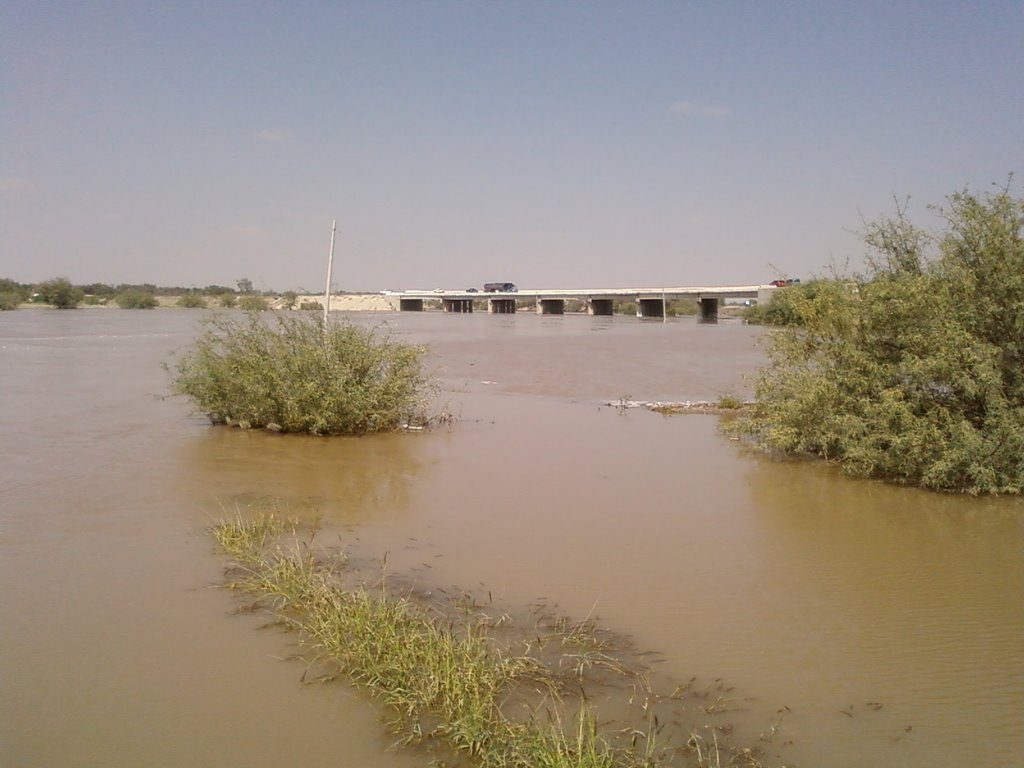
800	590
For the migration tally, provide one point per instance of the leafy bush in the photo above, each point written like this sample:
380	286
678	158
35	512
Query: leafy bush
303	376
914	372
227	300
253	303
60	293
135	299
311	305
9	300
192	301
13	293
781	308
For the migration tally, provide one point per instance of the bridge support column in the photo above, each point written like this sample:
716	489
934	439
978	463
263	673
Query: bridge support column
550	306
650	307
458	305
708	311
410	305
600	307
501	306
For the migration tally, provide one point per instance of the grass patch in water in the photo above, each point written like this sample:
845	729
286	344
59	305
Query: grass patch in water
447	671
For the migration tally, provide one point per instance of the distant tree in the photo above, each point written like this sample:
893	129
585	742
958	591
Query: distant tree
135	298
12	293
139	287
98	289
60	293
290	297
245	285
217	290
227	300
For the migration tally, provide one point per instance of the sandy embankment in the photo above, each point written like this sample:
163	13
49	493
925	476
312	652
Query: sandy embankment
356	302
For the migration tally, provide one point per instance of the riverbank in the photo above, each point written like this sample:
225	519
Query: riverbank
345	302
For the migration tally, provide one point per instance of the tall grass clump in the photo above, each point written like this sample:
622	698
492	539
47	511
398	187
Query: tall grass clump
299	374
443	681
472	689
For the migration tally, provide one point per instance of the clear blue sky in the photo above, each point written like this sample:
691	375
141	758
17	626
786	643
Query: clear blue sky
553	144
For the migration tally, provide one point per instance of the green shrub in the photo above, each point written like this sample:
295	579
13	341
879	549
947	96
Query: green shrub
253	304
60	293
227	300
192	301
9	301
13	293
311	305
784	307
302	376
915	372
135	299
729	403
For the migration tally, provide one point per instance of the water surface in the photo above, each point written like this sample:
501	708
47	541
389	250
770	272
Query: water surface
798	587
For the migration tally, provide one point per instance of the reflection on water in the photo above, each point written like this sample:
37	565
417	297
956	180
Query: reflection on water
887	620
337	479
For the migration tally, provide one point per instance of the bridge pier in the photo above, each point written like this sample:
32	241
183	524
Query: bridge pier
601	307
410	305
551	307
708	311
501	306
458	305
650	307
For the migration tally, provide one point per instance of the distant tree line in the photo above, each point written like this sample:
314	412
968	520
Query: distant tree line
61	293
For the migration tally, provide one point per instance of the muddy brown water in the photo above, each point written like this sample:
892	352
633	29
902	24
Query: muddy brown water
794	587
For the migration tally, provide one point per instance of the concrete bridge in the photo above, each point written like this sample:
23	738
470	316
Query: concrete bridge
650	302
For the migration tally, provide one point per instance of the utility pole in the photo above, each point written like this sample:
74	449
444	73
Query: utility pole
330	265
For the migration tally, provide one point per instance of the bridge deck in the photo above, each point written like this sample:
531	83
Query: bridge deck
671	292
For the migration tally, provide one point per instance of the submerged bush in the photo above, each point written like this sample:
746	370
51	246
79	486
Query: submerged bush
914	372
301	375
